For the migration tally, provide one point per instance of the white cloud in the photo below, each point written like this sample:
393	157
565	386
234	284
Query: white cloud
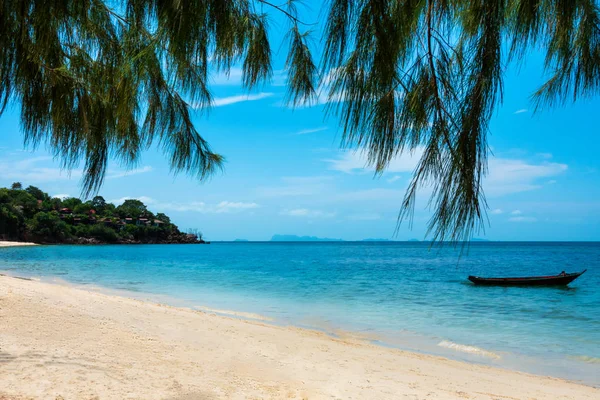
507	176
364	217
350	162
29	171
235	75
393	178
325	88
298	186
305	212
497	211
372	195
522	219
319	100
322	94
323	98
279	77
40	169
306	179
233	206
224	207
29	162
144	199
61	196
329	77
233	78
121	174
306	131
521	111
516	212
224	101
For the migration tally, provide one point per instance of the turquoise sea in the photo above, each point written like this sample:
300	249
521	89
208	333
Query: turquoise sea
396	294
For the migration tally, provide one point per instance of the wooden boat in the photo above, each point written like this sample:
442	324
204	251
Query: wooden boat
561	279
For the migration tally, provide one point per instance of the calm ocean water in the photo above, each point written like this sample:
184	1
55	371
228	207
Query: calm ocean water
396	294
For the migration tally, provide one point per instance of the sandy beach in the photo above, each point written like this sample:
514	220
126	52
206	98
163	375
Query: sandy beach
60	342
5	243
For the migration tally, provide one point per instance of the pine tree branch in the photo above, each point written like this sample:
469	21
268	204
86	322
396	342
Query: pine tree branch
440	105
295	19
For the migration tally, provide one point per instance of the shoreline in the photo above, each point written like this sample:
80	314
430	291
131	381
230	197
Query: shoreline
7	243
90	242
568	369
86	343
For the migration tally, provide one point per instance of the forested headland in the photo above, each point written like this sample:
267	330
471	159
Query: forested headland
30	214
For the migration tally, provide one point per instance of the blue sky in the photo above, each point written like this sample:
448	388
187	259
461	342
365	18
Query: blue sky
285	173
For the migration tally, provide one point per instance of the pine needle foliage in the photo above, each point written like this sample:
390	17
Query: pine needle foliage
428	74
106	79
101	79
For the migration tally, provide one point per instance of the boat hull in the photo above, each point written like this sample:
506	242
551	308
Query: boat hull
556	280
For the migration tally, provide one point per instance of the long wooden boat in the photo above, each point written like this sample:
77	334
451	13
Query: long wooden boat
561	279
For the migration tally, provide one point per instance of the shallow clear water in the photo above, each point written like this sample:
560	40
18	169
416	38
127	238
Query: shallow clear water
397	294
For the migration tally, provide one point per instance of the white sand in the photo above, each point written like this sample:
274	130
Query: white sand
4	243
58	342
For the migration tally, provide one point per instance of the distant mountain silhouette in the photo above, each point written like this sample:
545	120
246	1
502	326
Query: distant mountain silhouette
296	238
376	240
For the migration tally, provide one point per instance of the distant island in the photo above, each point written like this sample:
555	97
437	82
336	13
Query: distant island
241	240
31	215
295	238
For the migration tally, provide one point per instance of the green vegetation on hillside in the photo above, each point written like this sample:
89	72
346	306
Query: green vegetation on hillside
30	214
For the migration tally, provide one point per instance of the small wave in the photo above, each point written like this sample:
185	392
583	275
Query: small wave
468	349
245	315
23	278
586	359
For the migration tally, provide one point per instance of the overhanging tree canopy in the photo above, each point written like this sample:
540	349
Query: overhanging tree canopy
97	79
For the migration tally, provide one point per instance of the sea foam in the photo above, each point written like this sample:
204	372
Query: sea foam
468	349
586	359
